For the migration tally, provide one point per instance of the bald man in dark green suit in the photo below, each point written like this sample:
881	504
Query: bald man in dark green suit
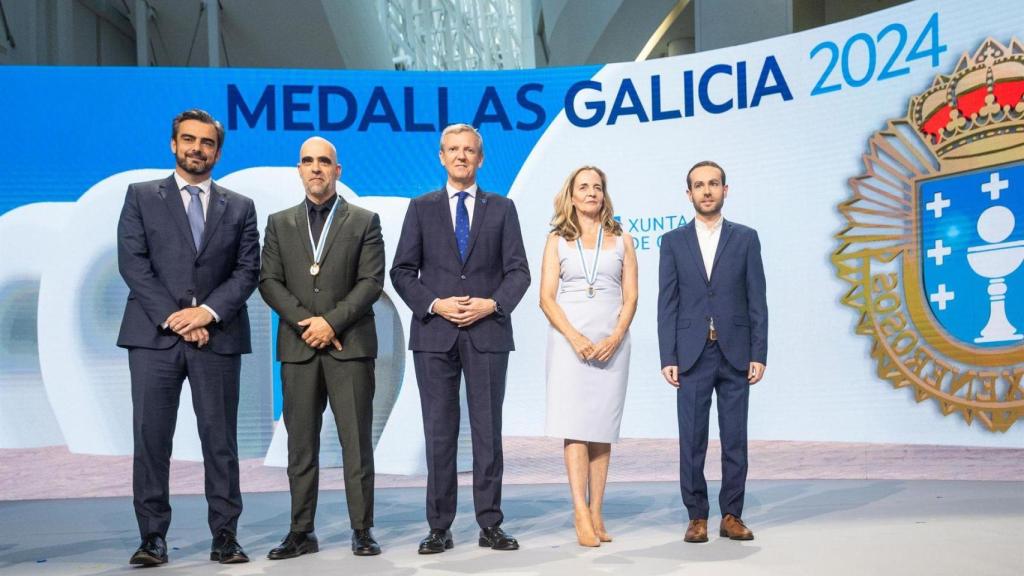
323	268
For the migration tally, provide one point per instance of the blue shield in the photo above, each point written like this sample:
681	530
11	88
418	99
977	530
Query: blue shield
971	244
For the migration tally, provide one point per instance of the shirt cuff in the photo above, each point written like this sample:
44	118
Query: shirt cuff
430	309
216	318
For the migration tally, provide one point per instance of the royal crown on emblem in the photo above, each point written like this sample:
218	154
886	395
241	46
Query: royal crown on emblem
931	250
979	108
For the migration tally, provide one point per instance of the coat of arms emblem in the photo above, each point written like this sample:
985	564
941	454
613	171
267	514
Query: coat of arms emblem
933	246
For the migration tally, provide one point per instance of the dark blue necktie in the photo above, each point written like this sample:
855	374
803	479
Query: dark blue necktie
196	221
462	225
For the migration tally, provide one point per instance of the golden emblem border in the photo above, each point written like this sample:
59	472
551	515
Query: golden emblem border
881	224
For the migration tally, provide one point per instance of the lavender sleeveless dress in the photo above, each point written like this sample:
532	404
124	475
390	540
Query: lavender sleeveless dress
585	399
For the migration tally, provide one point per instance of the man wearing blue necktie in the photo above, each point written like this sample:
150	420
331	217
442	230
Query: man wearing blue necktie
461	267
189	251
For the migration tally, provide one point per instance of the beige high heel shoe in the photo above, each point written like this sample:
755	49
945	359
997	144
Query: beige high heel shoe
599	530
585	531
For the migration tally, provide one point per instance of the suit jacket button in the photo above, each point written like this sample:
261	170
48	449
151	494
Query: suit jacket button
316	290
463	276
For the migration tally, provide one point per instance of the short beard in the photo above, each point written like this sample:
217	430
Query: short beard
184	165
325	192
716	209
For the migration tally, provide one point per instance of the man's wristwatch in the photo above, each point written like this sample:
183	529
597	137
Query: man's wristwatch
497	307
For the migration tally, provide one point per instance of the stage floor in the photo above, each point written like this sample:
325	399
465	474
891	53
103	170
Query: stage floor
55	473
808	527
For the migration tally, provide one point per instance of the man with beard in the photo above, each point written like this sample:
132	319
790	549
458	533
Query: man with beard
189	251
323	268
713	337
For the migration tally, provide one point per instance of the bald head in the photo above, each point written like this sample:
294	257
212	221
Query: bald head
319	169
316	144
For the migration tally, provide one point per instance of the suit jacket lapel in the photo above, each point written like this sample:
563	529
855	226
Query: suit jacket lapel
446	217
328	236
690	235
301	221
214	213
722	239
479	208
172	199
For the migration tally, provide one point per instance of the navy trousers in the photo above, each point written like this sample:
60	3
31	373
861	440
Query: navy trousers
712	373
439	376
157	376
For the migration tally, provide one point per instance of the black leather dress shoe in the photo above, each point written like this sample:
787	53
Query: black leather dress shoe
295	544
437	541
363	543
226	550
496	539
151	552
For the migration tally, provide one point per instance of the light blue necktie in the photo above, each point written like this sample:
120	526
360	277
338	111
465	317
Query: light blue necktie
462	225
195	215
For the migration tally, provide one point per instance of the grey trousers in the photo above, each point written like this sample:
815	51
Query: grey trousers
307	387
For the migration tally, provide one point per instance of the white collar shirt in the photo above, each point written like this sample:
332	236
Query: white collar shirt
707	237
453	201
204	194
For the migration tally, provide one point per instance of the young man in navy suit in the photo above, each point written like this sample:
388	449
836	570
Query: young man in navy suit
461	267
189	251
713	337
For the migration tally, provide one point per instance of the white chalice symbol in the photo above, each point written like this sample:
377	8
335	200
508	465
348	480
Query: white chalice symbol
995	261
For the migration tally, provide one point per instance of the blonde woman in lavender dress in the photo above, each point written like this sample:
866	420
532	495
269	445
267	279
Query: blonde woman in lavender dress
588	292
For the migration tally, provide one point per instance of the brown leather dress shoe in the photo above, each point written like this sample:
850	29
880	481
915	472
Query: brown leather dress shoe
697	531
734	529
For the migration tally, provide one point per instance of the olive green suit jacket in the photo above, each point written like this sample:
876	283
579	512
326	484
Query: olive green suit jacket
350	280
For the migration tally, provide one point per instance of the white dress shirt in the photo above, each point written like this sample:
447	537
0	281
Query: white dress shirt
707	238
453	201
186	198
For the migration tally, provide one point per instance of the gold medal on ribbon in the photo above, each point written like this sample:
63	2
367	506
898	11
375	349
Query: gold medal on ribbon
318	245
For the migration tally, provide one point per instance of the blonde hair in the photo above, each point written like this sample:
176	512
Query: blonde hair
566	224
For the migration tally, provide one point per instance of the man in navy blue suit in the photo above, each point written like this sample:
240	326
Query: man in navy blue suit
713	337
189	251
461	267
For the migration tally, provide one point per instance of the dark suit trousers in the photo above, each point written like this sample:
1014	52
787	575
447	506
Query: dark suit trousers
438	375
712	373
157	376
307	387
